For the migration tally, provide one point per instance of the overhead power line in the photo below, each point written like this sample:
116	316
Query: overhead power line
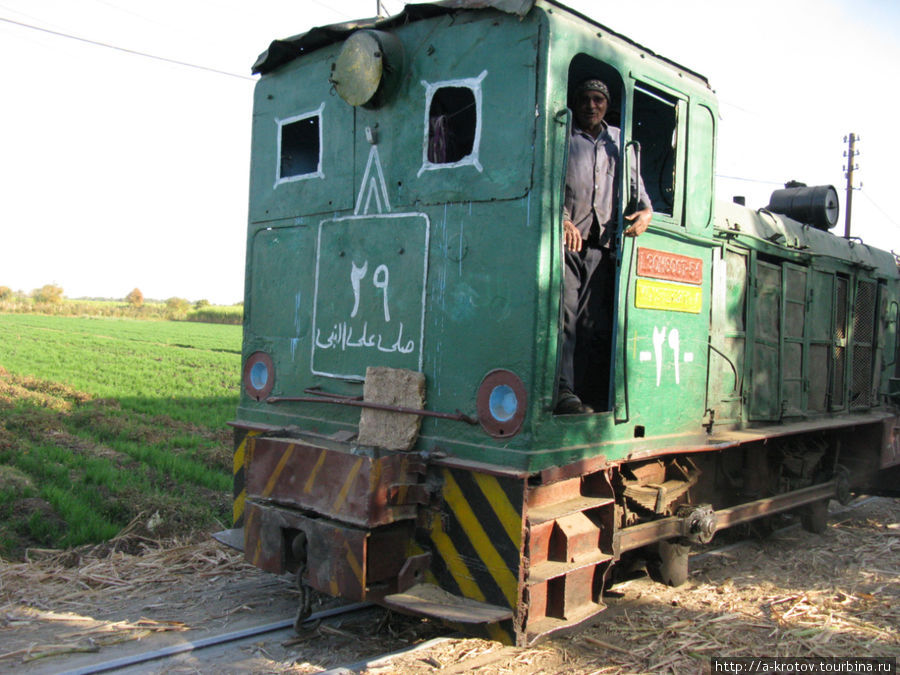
883	212
751	180
126	50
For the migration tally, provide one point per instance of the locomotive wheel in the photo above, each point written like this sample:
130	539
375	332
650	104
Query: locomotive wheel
814	516
673	562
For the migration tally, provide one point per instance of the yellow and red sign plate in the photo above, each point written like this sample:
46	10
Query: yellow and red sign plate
651	293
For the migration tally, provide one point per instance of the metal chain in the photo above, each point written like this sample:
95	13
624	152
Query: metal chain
305	609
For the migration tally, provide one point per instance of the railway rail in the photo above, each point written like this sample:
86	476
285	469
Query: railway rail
127	662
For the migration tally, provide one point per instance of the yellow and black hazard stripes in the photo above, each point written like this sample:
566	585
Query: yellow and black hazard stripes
348	483
273	477
239	470
314	473
477	537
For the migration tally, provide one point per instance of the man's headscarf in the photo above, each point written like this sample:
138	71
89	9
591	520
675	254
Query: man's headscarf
593	84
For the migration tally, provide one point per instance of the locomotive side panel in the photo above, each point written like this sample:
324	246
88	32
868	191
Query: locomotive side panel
664	328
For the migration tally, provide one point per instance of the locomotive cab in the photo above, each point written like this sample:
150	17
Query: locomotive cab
422	205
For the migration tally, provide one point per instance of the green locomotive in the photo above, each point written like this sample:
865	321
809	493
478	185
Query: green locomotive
396	438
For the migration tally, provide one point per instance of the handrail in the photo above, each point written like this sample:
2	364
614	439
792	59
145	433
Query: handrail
352	401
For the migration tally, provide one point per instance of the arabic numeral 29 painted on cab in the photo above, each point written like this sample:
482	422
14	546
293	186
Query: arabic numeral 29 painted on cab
380	280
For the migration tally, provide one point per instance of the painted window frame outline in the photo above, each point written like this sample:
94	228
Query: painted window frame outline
472	159
280	124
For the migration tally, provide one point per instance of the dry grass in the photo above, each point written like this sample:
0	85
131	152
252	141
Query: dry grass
795	594
130	561
56	598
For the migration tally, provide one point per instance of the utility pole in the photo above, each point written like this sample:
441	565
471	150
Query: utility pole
848	174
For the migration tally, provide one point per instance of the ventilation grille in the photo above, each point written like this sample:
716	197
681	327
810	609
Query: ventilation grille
863	345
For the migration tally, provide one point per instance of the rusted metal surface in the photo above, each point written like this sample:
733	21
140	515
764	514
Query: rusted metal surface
478	467
337	483
644	534
669	266
343	561
568	549
432	601
722	439
764	507
580	468
725	438
657	486
352	401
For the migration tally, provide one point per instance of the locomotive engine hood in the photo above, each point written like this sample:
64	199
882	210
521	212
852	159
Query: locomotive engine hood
777	232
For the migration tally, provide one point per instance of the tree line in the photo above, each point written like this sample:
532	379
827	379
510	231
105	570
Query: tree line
50	299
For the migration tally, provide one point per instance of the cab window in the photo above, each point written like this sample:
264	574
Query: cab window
453	121
451	125
655	128
299	147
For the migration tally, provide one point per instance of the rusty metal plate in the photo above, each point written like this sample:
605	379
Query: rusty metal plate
341	561
669	266
430	600
349	487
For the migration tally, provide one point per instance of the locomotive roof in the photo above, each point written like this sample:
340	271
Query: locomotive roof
287	49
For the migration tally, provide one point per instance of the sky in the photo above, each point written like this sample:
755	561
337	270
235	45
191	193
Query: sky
119	170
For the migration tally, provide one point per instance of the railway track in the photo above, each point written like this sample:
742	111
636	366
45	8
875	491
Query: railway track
154	658
214	653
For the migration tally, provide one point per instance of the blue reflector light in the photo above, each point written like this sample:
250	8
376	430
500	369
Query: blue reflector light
503	403
259	375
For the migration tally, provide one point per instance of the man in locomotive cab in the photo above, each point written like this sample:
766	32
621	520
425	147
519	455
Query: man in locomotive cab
589	235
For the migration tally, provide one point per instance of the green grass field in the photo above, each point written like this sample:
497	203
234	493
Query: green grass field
103	420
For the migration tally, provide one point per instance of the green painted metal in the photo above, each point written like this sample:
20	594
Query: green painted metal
358	224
